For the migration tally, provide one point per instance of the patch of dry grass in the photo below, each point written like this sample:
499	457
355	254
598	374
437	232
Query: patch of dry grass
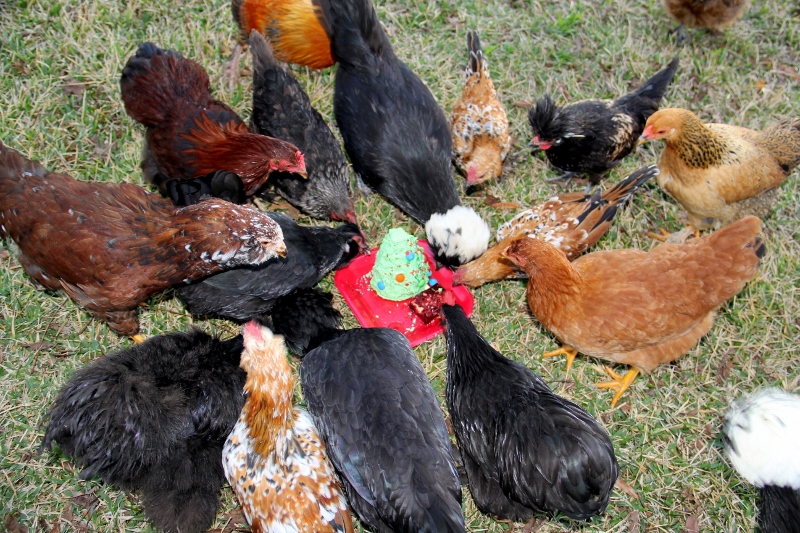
60	62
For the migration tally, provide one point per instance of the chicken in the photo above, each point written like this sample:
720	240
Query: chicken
479	125
761	437
291	27
248	292
592	136
714	15
221	184
572	222
721	173
634	307
188	133
274	458
395	133
154	418
525	449
282	109
112	246
379	417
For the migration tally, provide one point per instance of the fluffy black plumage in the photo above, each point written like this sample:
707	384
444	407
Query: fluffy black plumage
282	109
525	449
220	184
592	136
154	418
247	293
396	135
305	318
383	429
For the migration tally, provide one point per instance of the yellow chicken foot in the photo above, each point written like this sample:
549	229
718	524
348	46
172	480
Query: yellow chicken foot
138	338
620	383
662	237
569	351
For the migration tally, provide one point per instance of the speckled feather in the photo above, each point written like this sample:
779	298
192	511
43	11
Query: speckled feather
282	109
274	458
112	246
526	450
717	171
247	292
592	136
479	124
385	432
635	307
572	222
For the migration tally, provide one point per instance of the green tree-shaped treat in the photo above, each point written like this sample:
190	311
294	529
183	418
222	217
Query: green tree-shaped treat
400	270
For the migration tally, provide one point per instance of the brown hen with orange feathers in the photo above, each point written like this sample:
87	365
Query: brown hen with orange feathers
112	246
713	15
294	32
189	134
634	307
721	173
274	458
479	125
573	222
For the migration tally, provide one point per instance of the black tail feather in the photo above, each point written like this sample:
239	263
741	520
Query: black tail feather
354	30
477	62
656	86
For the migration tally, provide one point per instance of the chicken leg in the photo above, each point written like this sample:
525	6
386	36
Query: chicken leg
620	383
569	351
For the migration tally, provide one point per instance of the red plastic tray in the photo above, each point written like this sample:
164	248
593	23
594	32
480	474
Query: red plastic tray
372	311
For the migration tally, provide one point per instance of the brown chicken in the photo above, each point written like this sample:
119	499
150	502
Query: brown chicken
294	32
572	222
479	125
274	458
189	134
634	307
713	15
112	246
720	173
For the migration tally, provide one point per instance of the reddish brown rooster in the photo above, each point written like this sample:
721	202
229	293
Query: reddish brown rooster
190	134
112	246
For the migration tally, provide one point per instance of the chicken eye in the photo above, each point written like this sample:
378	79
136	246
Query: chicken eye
558	141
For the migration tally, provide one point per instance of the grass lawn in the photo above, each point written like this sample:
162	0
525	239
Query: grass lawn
60	62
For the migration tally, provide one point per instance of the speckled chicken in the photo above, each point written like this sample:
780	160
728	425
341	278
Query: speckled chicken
634	307
247	293
525	449
189	134
380	419
282	109
713	15
572	222
274	458
112	246
592	136
481	139
721	173
761	436
154	418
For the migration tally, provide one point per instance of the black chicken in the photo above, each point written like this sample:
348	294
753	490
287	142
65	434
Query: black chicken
524	448
395	133
221	184
761	436
592	136
154	418
378	415
282	109
247	293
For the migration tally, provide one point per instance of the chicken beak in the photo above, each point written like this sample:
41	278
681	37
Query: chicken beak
644	137
281	251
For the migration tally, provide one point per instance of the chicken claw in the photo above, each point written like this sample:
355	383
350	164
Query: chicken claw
620	383
569	351
679	237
